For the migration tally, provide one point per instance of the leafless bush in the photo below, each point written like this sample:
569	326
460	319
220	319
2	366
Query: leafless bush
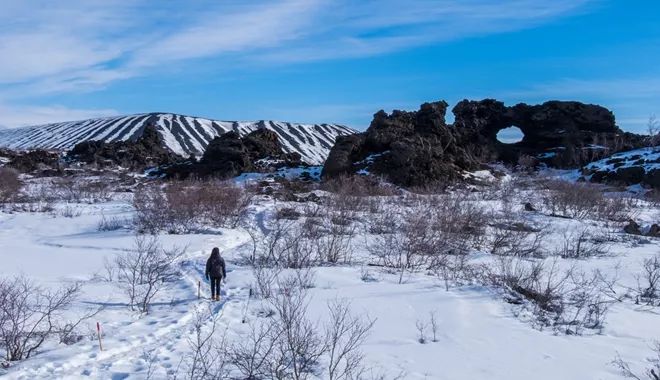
29	315
110	224
300	345
287	244
433	322
81	190
345	333
206	358
421	331
10	184
651	373
409	245
584	200
333	231
253	353
366	275
572	200
512	236
461	221
145	270
566	300
70	211
181	207
224	203
581	243
360	186
648	282
151	214
265	279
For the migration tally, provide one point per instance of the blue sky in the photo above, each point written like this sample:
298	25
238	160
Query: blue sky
322	60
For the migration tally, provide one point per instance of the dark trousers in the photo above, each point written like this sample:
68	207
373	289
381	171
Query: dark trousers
215	286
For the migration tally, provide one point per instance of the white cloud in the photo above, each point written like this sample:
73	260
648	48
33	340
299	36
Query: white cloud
78	45
12	116
81	45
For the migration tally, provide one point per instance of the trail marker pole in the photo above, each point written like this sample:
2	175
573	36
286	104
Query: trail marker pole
199	289
98	331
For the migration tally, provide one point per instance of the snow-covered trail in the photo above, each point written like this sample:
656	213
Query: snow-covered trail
163	333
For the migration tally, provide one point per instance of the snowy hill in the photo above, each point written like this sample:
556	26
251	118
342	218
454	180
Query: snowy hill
184	135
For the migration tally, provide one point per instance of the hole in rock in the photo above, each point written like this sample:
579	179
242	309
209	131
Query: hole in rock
510	135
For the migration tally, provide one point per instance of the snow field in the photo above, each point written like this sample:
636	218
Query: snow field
479	335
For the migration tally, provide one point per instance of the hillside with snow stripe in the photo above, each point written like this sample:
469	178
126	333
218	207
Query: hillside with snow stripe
184	135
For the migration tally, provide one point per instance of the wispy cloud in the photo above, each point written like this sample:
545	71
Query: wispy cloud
78	44
82	45
17	116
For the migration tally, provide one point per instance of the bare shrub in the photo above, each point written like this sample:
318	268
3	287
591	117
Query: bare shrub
207	352
224	203
286	244
70	211
300	345
421	331
345	333
461	221
584	200
145	270
566	300
433	322
110	224
29	315
360	186
648	282
253	352
511	236
581	243
182	207
651	373
265	280
81	190
151	215
409	245
572	200
333	231
10	184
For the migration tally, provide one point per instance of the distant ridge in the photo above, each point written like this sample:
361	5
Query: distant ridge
184	135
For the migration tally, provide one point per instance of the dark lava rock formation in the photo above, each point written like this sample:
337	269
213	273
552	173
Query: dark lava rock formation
33	161
230	155
418	148
641	166
147	151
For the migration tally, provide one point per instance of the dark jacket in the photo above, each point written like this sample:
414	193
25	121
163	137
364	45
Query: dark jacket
215	267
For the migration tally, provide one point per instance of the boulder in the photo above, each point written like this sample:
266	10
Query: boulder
654	230
147	151
229	155
632	228
37	160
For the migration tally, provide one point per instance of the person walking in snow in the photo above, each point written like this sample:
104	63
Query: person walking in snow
215	272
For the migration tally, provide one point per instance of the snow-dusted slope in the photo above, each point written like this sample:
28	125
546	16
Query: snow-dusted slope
184	135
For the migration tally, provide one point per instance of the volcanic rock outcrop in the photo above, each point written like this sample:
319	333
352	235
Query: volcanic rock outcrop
147	151
230	155
418	148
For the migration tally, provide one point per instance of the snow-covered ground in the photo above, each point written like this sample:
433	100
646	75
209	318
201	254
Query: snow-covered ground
479	336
